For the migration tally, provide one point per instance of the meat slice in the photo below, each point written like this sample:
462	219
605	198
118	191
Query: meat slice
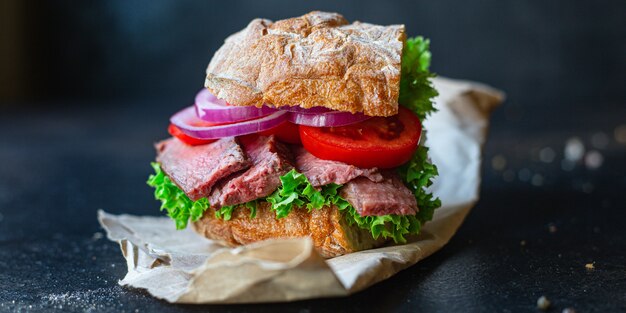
270	160
389	196
323	172
195	169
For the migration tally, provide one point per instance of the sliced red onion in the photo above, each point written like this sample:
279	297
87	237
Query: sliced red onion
214	110
328	119
313	110
187	120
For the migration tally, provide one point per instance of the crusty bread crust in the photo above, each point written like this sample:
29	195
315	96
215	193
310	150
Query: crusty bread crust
327	227
317	59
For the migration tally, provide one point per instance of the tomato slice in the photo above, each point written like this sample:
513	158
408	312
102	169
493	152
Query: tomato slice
176	132
285	132
384	142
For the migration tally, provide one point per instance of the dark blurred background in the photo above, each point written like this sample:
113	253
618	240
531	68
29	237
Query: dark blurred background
552	54
86	87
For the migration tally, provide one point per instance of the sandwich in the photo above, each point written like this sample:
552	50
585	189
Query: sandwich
307	127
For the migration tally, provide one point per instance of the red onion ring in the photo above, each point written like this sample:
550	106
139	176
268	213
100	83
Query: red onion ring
328	119
214	110
313	110
322	117
185	121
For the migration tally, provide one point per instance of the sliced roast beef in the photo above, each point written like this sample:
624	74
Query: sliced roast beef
389	196
270	160
195	169
323	172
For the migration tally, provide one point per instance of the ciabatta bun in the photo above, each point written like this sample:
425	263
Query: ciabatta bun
329	230
317	59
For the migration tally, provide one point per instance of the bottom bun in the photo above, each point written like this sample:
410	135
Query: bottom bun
329	230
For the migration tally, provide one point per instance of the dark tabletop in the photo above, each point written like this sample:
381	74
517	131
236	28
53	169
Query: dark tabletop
539	222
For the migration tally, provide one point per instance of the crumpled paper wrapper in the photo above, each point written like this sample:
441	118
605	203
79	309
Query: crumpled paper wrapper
183	267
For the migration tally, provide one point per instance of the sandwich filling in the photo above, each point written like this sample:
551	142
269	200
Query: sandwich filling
391	200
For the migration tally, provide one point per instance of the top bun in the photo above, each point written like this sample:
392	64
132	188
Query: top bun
315	60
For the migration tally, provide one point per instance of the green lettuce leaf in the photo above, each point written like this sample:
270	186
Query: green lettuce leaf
417	94
226	212
418	174
297	191
179	207
252	206
388	226
416	89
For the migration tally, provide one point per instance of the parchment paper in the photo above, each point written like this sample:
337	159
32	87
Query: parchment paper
182	267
